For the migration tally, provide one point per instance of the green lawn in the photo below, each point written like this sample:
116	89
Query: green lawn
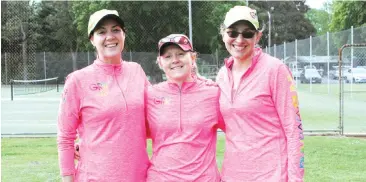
326	159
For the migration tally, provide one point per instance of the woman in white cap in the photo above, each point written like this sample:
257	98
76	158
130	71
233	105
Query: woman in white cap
183	117
260	107
104	104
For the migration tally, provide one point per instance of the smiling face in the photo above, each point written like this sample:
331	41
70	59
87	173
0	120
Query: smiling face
176	63
108	39
239	47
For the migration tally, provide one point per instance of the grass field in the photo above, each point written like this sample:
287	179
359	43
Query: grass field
320	110
326	159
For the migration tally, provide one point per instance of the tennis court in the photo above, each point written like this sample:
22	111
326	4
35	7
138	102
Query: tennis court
36	114
29	114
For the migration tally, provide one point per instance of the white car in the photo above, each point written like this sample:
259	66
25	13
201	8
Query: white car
356	75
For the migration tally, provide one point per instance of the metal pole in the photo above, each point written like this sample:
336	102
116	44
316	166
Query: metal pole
88	58
6	70
351	62
11	90
284	52
341	92
190	21
274	50
57	84
269	32
130	55
328	53
311	63
44	65
296	60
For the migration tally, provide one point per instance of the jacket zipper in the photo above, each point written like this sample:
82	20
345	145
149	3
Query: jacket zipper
120	89
180	109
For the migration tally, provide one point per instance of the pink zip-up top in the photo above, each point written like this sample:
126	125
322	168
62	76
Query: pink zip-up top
263	126
104	105
183	127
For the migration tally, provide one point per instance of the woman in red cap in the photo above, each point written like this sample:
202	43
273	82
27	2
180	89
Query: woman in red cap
183	117
264	138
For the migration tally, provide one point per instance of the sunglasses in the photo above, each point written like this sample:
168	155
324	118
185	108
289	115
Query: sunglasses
245	34
181	40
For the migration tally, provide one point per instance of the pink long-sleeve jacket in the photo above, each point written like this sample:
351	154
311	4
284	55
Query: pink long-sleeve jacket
104	105
183	126
263	126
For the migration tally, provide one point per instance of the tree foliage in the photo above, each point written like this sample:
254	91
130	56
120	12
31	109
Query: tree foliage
320	19
61	26
288	21
347	14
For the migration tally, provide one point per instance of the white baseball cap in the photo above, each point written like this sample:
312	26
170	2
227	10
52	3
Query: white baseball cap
98	16
238	13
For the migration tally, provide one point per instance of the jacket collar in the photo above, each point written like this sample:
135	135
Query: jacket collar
109	69
186	86
230	61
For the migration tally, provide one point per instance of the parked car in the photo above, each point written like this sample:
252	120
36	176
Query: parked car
296	73
334	73
356	75
310	75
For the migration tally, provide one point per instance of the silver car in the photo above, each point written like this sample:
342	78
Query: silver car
356	75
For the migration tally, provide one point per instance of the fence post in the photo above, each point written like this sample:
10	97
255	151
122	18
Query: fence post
274	51
11	89
130	55
44	65
352	61
217	59
328	62
57	84
311	62
88	58
284	52
6	70
190	21
296	60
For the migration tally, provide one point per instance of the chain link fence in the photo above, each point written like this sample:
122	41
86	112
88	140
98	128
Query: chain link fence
352	68
314	65
32	48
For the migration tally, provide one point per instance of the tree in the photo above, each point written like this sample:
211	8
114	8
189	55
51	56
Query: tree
347	14
17	35
288	21
320	20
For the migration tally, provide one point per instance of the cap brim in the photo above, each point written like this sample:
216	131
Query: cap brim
243	20
109	16
166	44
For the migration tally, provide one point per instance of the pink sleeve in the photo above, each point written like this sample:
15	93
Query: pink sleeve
68	121
147	84
221	124
286	102
148	133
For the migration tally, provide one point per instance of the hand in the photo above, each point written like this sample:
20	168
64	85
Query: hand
208	82
77	154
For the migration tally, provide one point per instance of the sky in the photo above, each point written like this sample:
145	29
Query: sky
315	4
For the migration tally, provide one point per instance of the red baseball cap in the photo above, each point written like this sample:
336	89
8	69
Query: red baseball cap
178	39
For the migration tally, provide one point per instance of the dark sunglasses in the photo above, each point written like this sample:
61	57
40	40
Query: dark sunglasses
245	34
